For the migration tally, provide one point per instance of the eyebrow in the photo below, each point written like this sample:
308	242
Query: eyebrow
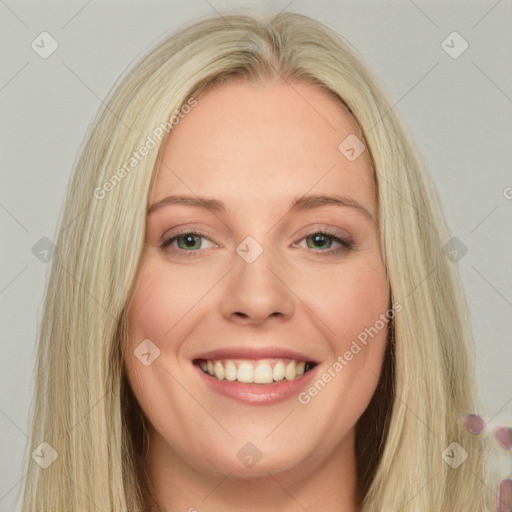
302	203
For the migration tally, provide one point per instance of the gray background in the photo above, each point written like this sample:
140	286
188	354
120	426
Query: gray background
459	110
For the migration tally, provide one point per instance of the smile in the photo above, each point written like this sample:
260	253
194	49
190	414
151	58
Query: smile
263	371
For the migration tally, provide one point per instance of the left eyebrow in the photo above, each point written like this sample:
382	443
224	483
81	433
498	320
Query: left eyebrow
301	203
310	202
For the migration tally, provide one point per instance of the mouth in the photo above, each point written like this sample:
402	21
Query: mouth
255	371
255	375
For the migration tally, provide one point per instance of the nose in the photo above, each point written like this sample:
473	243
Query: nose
257	291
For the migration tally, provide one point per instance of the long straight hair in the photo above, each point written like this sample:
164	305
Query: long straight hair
83	406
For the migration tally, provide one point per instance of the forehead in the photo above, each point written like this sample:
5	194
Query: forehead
260	145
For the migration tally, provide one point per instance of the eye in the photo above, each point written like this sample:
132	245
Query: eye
326	236
188	242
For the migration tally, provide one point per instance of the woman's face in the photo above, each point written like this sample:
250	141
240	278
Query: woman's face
260	292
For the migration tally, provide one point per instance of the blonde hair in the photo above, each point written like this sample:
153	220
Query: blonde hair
83	406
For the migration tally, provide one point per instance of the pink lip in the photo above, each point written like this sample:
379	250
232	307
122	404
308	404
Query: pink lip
257	394
251	353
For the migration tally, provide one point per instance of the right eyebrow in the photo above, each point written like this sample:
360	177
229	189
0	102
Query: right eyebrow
203	202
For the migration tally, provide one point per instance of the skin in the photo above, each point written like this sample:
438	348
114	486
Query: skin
257	147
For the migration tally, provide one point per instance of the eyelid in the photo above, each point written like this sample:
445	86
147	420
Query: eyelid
177	231
326	228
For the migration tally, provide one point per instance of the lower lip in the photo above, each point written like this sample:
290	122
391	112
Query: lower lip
258	394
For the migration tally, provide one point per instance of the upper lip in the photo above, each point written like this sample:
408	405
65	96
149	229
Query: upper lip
251	353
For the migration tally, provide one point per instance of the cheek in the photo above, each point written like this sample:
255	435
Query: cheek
350	298
353	304
368	295
161	300
154	310
151	313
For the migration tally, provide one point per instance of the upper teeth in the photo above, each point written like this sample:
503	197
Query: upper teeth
258	372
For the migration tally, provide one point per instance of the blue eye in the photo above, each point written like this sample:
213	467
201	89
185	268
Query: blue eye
189	242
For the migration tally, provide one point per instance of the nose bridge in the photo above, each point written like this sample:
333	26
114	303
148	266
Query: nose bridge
256	290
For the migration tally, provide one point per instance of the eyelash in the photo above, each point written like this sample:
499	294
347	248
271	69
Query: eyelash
346	244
